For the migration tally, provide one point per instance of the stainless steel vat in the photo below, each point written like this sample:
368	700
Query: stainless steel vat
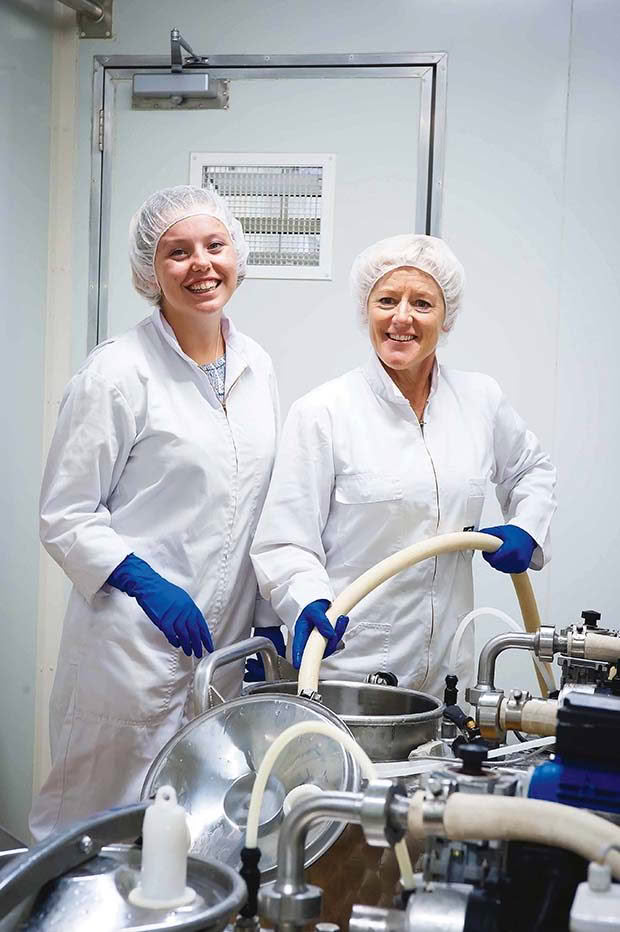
387	721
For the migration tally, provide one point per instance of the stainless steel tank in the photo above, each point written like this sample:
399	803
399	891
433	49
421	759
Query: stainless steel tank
387	721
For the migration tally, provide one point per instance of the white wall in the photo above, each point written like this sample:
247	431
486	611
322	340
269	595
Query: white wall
531	198
25	62
508	70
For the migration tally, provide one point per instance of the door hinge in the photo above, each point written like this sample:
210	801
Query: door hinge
100	130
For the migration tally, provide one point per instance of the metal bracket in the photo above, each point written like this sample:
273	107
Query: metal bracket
177	42
90	28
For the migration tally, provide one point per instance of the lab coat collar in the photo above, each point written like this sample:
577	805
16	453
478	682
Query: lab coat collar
382	384
236	356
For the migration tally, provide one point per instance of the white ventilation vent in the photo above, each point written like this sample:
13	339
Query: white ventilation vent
285	203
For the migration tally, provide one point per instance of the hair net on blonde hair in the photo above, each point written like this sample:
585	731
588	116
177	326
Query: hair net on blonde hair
428	253
161	211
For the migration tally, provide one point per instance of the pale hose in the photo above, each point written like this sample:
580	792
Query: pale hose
435	546
349	744
467	621
511	624
505	818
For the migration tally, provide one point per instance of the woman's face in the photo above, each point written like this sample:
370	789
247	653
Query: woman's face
406	312
196	266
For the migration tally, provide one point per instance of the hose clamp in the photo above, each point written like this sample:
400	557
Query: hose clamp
380	830
433	809
487	715
514	708
545	644
576	642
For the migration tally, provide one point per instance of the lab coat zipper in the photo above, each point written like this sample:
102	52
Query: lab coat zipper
428	655
226	551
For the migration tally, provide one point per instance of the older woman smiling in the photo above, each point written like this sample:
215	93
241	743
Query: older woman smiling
390	454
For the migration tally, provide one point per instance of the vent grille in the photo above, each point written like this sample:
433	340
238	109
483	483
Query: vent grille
284	206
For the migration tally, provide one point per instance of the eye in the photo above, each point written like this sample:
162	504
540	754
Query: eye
386	301
215	246
421	305
177	253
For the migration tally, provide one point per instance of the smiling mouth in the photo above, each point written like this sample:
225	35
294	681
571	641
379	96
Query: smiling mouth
203	287
405	338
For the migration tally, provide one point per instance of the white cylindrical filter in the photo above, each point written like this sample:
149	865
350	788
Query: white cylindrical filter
165	842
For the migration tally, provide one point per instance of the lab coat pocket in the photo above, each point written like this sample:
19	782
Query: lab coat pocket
367	488
366	649
476	490
368	517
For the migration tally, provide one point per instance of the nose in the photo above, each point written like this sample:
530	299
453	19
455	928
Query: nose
402	312
201	258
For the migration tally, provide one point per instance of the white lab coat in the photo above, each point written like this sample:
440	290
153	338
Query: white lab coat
357	478
145	460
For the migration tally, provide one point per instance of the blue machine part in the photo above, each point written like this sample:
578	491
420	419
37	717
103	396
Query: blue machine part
585	784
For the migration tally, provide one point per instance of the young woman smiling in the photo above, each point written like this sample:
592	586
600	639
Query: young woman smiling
155	479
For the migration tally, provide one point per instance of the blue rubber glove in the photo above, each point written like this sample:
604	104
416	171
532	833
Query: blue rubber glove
515	554
255	669
313	616
169	607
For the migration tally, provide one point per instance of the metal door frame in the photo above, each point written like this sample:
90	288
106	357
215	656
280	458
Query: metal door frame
430	68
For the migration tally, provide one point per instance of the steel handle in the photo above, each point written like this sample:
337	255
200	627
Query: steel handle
52	858
205	670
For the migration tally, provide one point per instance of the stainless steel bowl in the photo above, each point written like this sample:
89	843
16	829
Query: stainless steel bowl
212	763
388	721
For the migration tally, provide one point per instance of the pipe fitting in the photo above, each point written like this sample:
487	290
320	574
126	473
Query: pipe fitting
290	901
544	643
488	715
379	829
514	709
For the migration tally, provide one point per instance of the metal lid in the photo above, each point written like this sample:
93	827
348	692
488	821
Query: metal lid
95	896
212	762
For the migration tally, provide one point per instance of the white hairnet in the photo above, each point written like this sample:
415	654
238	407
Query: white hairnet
161	211
415	250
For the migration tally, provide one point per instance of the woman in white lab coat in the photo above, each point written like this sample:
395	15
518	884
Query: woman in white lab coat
390	454
154	483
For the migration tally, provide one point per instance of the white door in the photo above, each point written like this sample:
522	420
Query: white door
370	125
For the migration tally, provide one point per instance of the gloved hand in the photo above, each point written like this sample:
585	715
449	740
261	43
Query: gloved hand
255	669
515	554
169	607
313	616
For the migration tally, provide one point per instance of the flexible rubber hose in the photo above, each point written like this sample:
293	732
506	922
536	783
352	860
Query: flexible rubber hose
531	623
601	647
468	620
539	717
349	744
506	818
435	546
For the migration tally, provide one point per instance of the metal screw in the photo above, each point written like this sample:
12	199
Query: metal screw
108	34
83	35
517	694
86	844
435	787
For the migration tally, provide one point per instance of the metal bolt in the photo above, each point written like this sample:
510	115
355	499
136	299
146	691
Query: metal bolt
86	844
108	34
517	694
83	35
435	787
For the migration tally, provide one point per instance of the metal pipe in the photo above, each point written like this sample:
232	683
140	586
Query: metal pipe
92	10
491	651
346	807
